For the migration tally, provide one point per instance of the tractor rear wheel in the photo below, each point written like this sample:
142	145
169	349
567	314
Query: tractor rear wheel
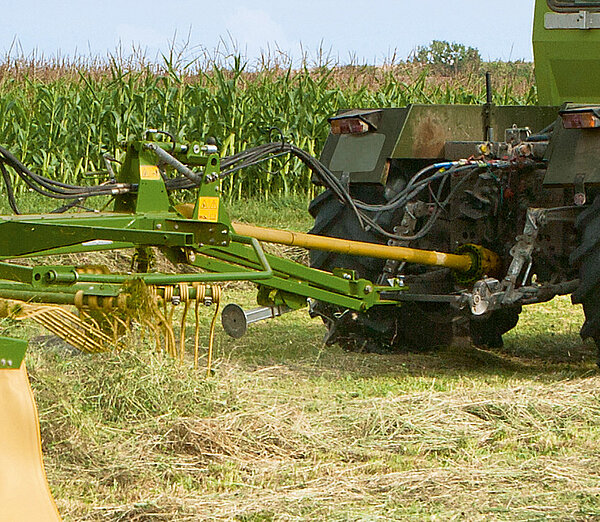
587	258
412	325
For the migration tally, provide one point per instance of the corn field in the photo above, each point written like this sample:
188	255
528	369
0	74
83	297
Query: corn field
61	118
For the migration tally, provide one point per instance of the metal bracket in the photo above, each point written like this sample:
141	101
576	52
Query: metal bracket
490	294
412	211
582	20
580	198
235	319
521	253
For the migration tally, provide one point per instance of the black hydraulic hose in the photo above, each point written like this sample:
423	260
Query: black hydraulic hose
55	189
9	189
416	185
251	157
68	206
18	166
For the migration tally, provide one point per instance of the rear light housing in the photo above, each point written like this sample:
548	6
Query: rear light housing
356	121
584	118
349	126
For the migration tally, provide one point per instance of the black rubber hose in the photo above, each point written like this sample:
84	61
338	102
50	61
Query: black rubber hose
9	189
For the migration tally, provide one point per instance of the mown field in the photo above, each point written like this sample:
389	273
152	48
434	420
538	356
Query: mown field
287	428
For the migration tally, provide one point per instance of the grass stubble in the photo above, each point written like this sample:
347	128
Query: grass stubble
288	429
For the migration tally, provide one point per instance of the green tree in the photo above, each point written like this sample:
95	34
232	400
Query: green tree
449	57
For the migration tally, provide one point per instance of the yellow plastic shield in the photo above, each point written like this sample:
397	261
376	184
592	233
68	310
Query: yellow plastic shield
24	492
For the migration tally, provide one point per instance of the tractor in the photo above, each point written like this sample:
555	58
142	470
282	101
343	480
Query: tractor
409	177
433	222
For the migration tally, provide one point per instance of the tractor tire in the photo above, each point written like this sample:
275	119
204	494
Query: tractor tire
381	329
587	259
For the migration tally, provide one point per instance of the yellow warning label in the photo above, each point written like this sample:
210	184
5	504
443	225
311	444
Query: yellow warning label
208	209
149	172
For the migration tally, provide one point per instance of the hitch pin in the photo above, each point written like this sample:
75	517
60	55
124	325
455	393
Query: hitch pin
527	272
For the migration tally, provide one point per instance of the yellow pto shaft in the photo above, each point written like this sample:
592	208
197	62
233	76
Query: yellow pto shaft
472	261
460	262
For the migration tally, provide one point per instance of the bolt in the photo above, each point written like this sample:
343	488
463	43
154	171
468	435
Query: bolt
368	289
347	277
579	199
191	256
196	149
158	226
3	362
176	300
9	362
224	231
176	226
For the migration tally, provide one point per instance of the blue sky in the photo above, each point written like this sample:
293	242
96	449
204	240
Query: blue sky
368	31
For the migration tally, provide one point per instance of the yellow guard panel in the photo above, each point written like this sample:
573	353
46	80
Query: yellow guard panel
24	492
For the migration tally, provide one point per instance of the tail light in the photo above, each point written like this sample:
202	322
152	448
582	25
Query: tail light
349	126
357	121
588	118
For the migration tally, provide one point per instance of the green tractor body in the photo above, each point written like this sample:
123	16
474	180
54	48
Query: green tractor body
566	45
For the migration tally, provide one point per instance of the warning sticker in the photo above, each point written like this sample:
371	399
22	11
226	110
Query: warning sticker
208	209
149	172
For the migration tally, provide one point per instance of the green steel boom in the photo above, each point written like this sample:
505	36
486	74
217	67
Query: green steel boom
148	219
206	240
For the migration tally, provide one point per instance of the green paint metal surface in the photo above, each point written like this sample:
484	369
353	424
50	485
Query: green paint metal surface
566	61
12	353
148	219
421	132
29	235
357	154
301	280
428	127
573	157
388	127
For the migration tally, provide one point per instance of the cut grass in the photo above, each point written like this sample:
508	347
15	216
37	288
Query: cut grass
288	429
